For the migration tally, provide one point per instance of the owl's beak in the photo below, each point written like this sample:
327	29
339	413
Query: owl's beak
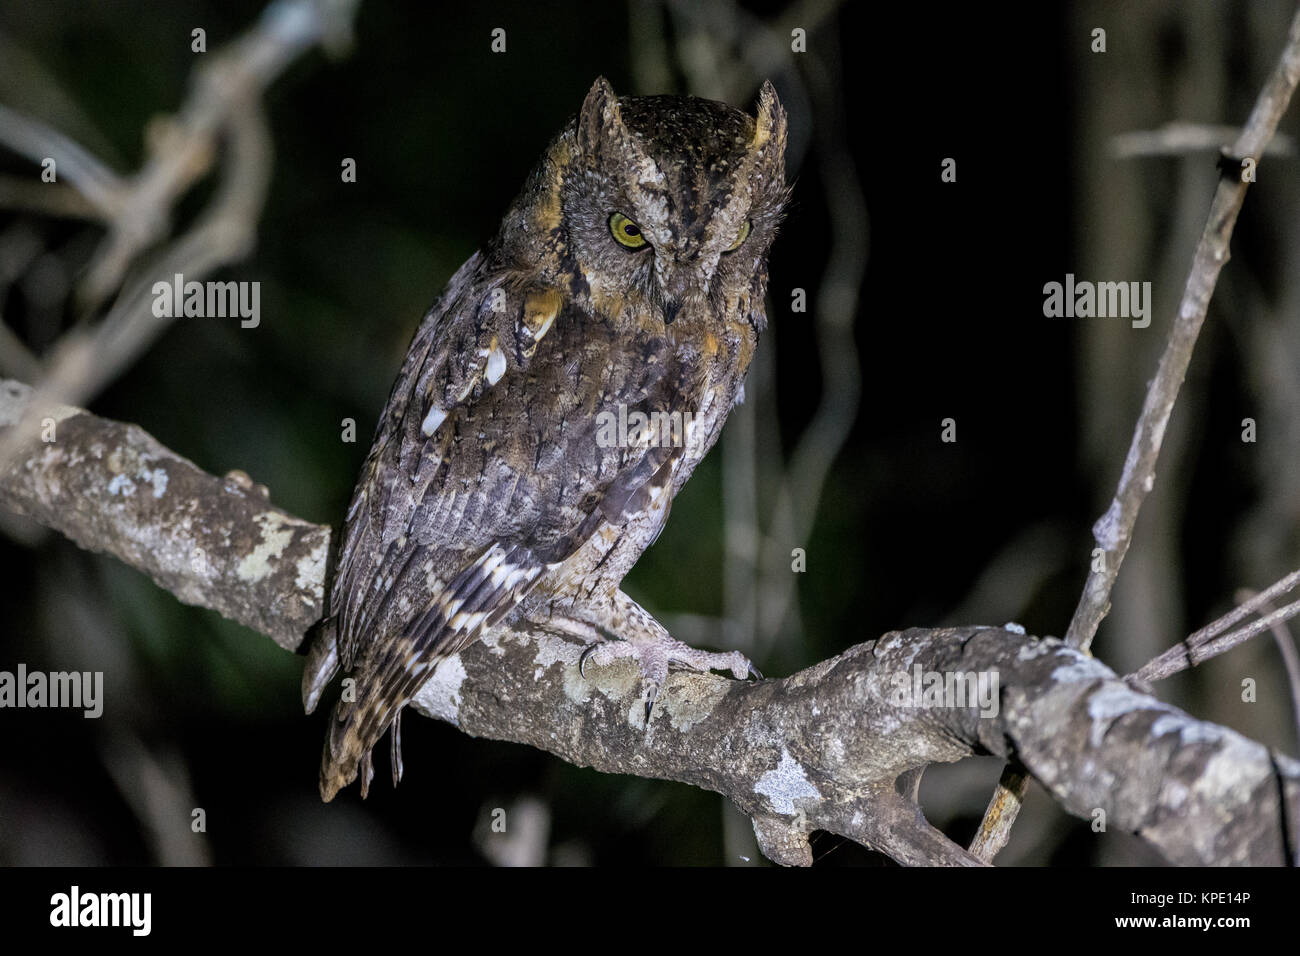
676	288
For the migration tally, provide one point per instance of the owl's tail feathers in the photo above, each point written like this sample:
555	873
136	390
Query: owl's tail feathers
347	754
349	744
477	598
343	756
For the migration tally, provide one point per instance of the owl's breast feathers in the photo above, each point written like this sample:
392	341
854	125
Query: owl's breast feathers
503	448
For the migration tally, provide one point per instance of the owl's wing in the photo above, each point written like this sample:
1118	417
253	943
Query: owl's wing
487	471
458	351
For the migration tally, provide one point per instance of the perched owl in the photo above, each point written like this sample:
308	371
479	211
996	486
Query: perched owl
552	403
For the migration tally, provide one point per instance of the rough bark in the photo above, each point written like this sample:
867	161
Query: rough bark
217	543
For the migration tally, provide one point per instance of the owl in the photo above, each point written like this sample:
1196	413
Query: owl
552	403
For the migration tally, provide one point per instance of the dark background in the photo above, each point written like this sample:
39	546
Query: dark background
946	321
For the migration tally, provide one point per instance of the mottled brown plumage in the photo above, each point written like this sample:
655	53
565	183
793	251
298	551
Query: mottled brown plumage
491	495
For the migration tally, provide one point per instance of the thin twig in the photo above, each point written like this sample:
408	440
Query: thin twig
1186	654
1177	139
24	194
15	358
1290	658
102	188
1243	610
1190	650
800	491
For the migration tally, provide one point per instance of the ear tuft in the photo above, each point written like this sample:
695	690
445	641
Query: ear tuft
769	121
599	116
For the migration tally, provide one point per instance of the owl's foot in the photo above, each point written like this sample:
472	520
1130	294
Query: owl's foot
614	626
654	653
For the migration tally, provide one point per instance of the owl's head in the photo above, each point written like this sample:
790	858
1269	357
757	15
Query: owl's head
662	204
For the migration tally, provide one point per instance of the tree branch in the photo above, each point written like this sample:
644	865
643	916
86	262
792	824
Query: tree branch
211	542
822	749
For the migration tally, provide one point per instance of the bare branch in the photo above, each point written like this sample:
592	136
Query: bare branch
1000	815
50	199
1198	649
1004	805
1250	602
99	185
1174	139
1290	656
218	544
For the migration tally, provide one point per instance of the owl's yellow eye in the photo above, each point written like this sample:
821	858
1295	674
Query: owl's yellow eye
744	234
626	231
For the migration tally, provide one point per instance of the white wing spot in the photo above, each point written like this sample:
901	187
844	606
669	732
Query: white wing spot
467	622
496	366
432	420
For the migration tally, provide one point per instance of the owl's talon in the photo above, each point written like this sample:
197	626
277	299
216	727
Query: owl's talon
651	698
655	654
582	660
